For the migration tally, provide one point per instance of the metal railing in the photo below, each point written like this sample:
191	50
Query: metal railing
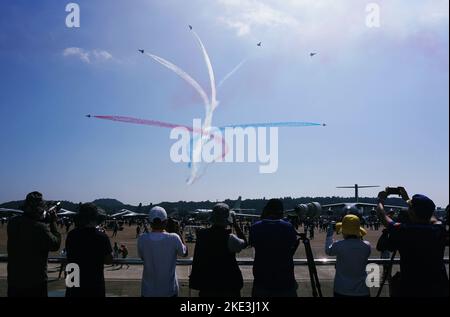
320	262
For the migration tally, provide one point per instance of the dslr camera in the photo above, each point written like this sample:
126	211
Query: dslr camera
173	226
49	211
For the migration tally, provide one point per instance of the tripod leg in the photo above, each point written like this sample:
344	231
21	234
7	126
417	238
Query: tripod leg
311	267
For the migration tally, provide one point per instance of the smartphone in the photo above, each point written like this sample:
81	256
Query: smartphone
393	190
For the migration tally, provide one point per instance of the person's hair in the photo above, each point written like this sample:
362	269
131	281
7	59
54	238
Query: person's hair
422	207
422	214
273	209
87	214
32	202
158	224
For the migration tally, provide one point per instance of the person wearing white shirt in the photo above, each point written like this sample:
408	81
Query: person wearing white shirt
351	254
159	250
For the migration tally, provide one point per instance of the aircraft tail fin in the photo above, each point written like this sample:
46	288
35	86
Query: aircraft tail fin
237	204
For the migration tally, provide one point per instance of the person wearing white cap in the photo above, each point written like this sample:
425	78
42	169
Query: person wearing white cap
159	249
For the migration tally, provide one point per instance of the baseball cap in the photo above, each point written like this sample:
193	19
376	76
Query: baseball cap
157	213
422	205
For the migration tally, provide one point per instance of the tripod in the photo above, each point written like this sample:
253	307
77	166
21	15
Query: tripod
315	283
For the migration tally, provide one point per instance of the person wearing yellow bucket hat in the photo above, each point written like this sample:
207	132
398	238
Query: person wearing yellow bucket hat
351	254
351	226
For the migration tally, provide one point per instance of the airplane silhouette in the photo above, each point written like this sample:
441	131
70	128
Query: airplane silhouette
312	54
190	27
142	51
88	116
259	44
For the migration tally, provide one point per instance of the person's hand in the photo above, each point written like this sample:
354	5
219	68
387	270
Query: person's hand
52	217
382	196
403	193
233	218
330	229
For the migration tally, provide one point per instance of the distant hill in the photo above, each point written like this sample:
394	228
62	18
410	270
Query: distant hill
108	203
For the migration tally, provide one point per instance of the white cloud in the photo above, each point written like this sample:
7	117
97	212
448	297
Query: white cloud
323	21
244	15
102	55
87	56
78	52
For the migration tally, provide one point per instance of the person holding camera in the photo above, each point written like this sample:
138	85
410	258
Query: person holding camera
91	250
275	242
159	249
29	241
215	272
351	254
421	242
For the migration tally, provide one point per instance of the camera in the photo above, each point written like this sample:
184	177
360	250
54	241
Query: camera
172	226
47	214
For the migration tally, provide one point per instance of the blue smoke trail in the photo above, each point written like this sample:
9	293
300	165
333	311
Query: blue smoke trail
292	124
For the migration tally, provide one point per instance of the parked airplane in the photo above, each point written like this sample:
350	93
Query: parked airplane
7	212
345	207
237	210
128	214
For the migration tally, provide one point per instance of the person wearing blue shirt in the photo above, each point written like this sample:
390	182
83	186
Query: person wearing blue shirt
275	242
421	240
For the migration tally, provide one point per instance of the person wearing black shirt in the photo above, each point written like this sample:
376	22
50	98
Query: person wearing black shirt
90	249
421	242
29	241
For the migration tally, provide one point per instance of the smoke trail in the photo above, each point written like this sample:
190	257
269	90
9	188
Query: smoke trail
214	102
204	135
191	81
235	69
196	154
154	123
162	124
292	124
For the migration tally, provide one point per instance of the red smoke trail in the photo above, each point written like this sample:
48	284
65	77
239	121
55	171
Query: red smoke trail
154	123
161	124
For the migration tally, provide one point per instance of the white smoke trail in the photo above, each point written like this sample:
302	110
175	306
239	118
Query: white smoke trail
210	104
191	81
210	72
197	148
235	69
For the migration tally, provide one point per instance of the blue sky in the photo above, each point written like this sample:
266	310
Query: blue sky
382	91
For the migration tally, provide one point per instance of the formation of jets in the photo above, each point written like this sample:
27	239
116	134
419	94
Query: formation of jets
259	44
